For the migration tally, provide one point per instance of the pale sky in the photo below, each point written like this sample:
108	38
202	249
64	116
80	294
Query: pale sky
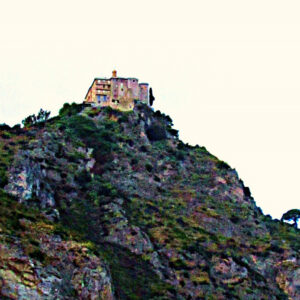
227	72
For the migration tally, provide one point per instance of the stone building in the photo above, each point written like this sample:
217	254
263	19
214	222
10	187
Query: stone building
117	92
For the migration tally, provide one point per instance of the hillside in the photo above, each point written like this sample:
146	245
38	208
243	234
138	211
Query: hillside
100	204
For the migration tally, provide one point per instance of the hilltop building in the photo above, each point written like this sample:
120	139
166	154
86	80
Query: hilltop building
117	92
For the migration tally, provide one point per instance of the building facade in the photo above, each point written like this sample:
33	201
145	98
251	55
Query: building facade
117	92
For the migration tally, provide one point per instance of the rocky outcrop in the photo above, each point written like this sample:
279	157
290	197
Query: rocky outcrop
72	272
37	263
41	168
162	219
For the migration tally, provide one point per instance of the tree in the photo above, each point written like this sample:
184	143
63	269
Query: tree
31	120
291	215
151	97
42	116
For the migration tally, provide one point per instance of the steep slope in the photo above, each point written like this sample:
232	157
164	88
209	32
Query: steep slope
115	206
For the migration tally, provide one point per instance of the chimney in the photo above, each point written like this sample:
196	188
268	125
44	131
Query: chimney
114	73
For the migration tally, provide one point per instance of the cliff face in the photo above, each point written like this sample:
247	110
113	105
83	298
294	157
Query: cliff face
99	204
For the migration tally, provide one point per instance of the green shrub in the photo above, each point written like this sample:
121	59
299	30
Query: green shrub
102	139
70	109
99	187
125	116
173	132
149	167
223	165
164	117
181	145
156	132
41	117
79	126
4	126
6	135
109	110
180	155
3	178
83	178
38	255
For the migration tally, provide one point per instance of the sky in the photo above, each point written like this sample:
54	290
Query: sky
227	72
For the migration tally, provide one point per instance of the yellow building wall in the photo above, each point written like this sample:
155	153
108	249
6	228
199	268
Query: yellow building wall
121	95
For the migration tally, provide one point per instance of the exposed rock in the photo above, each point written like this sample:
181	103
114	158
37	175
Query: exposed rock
133	213
67	269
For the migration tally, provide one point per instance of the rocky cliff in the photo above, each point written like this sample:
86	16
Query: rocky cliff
100	204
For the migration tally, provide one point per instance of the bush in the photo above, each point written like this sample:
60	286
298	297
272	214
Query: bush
94	112
160	115
134	161
5	135
83	178
3	178
17	129
247	191
124	117
223	165
41	117
79	126
38	255
156	133
143	148
103	139
149	167
181	145
70	109
4	127
129	142
180	155
173	132
99	187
